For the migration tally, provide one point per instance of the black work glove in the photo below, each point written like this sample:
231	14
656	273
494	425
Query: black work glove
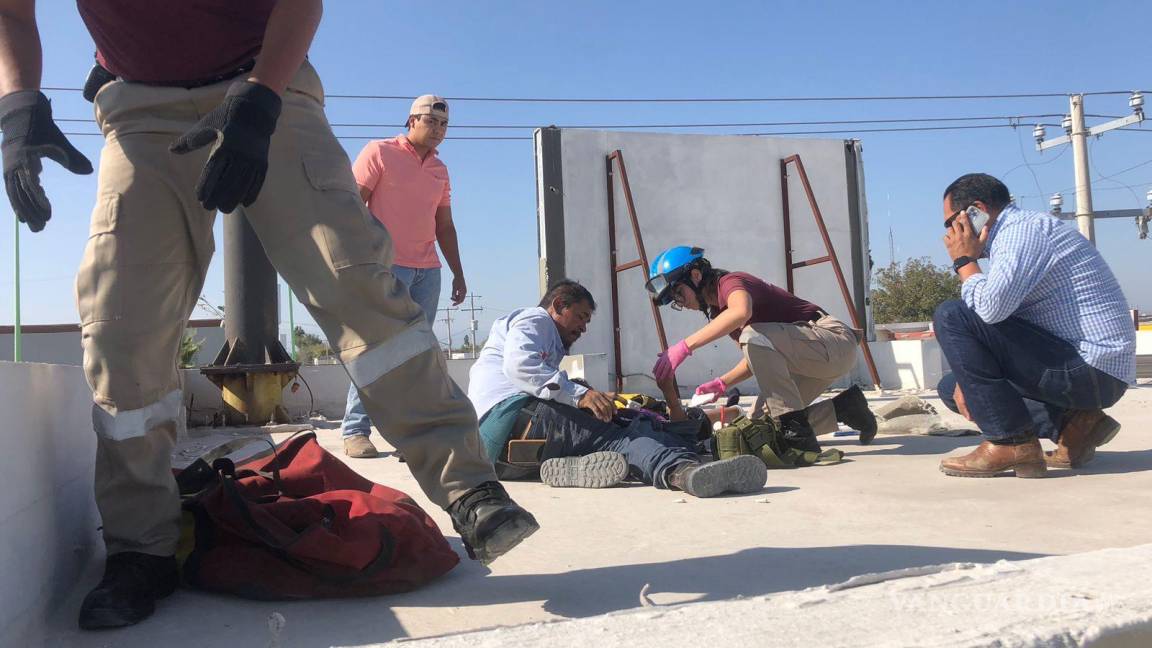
98	77
240	129
30	134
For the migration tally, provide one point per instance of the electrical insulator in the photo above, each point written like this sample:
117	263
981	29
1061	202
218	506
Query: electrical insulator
1056	202
1067	124
1038	133
1136	102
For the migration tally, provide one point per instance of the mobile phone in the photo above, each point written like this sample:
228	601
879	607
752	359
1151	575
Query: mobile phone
979	219
525	451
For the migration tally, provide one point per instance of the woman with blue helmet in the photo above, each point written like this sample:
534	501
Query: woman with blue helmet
792	347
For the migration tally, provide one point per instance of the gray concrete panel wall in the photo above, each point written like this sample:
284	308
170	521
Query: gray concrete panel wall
722	193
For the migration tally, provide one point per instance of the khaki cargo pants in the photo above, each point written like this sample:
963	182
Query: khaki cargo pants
794	363
143	269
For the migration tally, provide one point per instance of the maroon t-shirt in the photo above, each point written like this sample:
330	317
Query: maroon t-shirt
158	41
769	303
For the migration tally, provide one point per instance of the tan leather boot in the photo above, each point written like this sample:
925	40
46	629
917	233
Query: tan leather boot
989	460
1085	431
359	446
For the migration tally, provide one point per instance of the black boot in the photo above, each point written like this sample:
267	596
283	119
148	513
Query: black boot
743	474
798	432
489	522
852	410
127	594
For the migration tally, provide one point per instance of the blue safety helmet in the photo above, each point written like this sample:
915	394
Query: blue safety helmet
669	268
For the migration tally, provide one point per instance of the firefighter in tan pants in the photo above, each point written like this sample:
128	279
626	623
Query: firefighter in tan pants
193	126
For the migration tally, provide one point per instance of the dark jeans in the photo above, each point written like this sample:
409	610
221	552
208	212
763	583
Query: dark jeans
1019	381
649	448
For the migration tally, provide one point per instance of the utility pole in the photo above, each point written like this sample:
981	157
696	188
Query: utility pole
473	325
448	320
1077	134
1080	163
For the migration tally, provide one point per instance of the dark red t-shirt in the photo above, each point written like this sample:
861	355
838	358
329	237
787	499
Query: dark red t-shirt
158	41
769	303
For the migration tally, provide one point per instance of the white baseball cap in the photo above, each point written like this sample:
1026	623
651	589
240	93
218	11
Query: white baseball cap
430	105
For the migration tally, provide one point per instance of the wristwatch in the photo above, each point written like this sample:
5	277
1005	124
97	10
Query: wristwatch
960	262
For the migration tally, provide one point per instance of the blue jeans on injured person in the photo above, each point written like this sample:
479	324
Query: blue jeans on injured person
424	288
1019	381
649	449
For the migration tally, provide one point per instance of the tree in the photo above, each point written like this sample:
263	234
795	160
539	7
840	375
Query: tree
309	346
911	291
189	347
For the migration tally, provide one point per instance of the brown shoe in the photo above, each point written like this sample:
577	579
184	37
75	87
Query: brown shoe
359	447
989	460
1085	431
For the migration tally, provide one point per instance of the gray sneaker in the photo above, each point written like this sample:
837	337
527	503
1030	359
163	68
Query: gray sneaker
596	470
359	446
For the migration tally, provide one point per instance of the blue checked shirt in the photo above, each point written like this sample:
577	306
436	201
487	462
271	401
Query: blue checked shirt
1046	273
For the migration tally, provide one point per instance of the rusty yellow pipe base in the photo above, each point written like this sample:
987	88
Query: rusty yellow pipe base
253	398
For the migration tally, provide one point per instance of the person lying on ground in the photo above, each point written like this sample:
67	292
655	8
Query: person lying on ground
535	421
1041	340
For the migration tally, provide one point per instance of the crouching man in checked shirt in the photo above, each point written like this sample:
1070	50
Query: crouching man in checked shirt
1041	341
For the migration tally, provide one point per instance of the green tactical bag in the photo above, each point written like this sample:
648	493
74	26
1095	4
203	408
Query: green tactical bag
763	439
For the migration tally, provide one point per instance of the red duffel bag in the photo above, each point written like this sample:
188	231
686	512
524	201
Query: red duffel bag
302	524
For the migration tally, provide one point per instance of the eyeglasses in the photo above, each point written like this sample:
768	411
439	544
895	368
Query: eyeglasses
435	122
948	221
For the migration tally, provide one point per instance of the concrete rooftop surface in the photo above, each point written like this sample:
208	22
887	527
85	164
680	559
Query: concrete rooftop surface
887	508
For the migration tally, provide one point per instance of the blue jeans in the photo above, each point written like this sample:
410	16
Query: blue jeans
424	288
1019	381
649	449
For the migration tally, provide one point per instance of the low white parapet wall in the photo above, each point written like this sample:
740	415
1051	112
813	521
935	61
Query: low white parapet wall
48	519
1143	342
323	389
1101	599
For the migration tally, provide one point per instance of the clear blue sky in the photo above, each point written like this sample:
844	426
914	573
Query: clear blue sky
680	49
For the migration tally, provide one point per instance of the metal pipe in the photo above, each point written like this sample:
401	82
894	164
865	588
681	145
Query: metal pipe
788	265
291	324
615	289
17	350
250	317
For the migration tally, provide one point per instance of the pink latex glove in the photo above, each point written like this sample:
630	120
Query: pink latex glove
666	364
714	386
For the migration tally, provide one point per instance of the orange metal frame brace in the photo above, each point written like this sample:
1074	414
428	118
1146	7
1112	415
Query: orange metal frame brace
828	258
618	157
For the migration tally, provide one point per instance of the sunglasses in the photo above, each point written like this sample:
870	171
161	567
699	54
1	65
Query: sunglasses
948	221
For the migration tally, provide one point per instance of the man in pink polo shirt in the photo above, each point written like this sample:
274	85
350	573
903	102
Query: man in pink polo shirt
407	189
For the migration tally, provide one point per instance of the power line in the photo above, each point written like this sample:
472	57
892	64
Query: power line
830	122
353	137
774	133
609	100
734	99
758	134
887	130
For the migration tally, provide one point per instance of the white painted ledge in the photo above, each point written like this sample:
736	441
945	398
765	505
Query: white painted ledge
48	518
1101	599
